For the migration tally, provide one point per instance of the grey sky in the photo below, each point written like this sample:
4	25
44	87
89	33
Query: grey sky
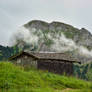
14	13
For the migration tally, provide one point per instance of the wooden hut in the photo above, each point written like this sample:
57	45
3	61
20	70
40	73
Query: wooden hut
53	62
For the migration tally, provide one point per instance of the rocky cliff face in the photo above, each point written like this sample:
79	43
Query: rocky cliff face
47	33
80	36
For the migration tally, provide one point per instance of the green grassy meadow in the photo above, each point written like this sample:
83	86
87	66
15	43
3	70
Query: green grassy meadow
18	79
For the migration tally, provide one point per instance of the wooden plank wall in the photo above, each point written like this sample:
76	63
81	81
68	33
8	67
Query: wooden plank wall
56	66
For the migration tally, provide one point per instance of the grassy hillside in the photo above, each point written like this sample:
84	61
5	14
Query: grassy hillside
17	79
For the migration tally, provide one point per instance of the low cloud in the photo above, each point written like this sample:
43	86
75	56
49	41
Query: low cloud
24	36
60	42
63	44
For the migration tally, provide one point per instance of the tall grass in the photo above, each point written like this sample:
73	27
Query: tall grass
17	79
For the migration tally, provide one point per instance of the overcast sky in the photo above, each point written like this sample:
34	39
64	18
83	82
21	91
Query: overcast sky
14	13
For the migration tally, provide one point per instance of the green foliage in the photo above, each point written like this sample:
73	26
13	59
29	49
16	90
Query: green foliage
89	72
0	54
83	71
89	75
6	52
17	79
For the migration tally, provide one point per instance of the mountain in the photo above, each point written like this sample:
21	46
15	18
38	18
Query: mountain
49	37
43	36
80	36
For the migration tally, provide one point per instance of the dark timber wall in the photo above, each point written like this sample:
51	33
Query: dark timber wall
59	67
55	66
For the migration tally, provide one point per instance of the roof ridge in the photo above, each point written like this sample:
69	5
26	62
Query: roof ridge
52	56
45	52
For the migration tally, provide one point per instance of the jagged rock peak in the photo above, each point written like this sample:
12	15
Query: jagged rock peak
46	23
55	25
36	22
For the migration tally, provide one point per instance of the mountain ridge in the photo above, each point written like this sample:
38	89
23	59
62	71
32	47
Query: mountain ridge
64	28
